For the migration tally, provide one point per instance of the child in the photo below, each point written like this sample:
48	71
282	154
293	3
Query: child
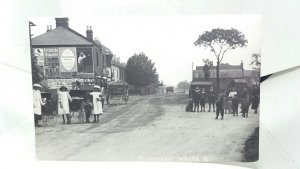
235	105
87	106
220	106
97	103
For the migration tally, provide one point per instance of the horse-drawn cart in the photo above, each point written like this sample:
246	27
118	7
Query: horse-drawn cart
117	91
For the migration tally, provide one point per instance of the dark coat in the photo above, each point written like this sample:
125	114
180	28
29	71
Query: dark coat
220	102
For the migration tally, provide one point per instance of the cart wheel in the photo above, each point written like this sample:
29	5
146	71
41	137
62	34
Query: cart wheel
45	120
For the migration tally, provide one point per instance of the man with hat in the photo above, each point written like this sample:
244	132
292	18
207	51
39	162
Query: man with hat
211	99
196	98
202	99
37	104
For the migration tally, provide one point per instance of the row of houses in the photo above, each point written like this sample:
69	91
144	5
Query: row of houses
229	76
64	55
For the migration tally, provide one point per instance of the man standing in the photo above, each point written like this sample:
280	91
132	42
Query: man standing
220	106
37	104
235	105
202	100
255	99
211	99
196	98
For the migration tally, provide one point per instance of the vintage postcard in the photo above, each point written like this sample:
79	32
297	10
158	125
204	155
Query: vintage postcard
147	88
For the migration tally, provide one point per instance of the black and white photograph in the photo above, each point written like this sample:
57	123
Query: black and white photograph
167	88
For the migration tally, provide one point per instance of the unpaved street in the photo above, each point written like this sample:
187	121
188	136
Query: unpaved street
149	128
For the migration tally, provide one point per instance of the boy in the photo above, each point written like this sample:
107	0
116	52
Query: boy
220	106
88	109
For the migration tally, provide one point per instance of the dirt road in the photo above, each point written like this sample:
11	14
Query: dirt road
149	128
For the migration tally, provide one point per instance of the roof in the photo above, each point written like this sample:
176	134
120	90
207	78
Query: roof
240	80
202	83
224	73
61	36
104	49
118	64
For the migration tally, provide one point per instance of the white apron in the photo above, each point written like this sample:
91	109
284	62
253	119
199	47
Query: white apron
63	97
37	102
97	105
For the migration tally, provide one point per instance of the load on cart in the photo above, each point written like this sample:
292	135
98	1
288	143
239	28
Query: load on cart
117	91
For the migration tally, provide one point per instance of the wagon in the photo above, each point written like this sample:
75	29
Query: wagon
170	89
49	110
117	91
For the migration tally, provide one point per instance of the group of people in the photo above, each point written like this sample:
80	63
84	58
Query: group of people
225	102
90	107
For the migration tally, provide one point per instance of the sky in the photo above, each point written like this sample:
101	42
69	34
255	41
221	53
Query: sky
167	40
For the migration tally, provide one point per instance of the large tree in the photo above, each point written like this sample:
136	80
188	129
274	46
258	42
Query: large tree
219	41
183	85
141	71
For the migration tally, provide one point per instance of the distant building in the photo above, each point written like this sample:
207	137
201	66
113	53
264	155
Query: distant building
229	76
118	70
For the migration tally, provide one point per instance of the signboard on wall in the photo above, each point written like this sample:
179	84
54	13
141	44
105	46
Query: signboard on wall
68	59
39	54
84	60
51	62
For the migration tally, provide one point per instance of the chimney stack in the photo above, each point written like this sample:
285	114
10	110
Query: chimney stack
89	33
49	28
62	22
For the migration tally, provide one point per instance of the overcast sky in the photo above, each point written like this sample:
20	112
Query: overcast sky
166	40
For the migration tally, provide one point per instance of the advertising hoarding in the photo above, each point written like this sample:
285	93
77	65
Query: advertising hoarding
68	59
51	62
84	60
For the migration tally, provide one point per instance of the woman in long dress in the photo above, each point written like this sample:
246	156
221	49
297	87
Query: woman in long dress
63	104
97	103
37	104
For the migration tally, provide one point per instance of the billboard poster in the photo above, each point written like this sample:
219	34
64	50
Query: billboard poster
39	54
84	60
51	62
68	59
